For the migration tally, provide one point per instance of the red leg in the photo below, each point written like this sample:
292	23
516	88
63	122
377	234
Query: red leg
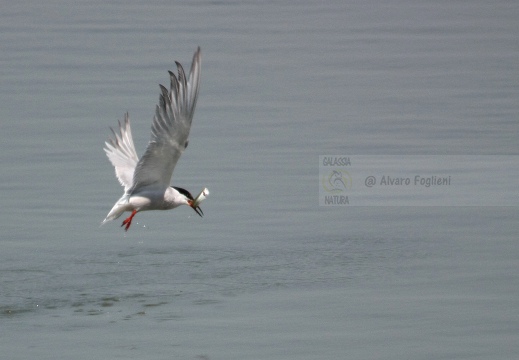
128	220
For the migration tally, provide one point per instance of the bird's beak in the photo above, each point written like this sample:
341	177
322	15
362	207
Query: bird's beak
197	209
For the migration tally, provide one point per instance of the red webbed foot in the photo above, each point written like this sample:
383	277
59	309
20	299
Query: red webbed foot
128	220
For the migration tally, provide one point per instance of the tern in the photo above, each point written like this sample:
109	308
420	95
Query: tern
146	181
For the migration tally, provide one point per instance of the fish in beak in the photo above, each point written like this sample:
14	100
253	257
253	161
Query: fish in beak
194	204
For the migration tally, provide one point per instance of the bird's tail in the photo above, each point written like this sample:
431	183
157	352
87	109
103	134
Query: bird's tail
118	209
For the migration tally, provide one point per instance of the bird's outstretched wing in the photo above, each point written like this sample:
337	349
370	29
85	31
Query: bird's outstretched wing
169	130
121	153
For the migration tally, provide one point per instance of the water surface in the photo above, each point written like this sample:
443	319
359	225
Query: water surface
267	273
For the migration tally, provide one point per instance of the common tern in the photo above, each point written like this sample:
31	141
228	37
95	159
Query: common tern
146	181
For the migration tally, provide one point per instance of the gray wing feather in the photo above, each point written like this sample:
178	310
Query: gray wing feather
169	130
121	153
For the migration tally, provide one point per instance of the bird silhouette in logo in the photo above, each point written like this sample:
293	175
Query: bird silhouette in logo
336	180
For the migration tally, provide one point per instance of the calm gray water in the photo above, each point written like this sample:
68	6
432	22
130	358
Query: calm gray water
267	273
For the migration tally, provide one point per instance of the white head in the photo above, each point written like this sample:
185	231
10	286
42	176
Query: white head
189	200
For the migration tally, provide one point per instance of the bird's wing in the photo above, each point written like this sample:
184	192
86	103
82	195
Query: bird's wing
121	153
169	130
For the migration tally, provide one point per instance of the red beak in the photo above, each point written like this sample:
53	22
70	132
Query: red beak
197	209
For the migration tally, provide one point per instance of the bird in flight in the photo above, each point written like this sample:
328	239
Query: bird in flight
146	181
